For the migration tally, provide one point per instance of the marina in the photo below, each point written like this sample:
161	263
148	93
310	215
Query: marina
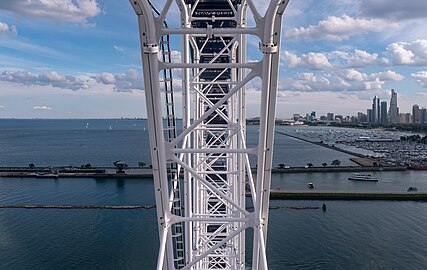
385	148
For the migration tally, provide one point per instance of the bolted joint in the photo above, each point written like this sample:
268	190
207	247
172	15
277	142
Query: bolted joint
209	31
151	48
268	48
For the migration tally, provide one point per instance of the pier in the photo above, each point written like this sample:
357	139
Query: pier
146	173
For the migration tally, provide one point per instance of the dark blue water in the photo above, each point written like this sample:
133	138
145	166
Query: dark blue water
73	142
101	142
349	235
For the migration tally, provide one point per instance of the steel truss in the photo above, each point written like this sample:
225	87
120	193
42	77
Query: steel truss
202	218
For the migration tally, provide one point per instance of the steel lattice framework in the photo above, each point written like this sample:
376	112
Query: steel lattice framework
202	173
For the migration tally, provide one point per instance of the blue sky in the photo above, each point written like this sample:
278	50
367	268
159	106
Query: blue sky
81	58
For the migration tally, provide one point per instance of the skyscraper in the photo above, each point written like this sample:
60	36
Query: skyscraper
423	115
369	115
415	114
383	113
376	110
405	118
313	114
393	112
361	117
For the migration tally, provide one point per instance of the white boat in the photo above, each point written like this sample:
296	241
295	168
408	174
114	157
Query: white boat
363	177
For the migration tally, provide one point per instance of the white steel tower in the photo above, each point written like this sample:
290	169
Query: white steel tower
202	173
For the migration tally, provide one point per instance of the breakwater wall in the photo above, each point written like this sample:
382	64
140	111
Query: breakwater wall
380	196
361	159
337	169
37	206
323	144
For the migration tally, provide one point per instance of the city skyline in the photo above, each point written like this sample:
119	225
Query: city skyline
81	59
379	113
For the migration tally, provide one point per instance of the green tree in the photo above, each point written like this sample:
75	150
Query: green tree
309	165
31	165
336	162
281	166
141	164
324	164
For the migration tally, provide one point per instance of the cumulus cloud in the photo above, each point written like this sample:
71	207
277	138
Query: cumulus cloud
73	11
46	78
42	108
421	78
334	59
175	56
358	58
394	9
310	60
123	82
409	53
7	29
339	28
339	81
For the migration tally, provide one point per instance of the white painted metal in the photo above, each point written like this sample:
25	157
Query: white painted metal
210	152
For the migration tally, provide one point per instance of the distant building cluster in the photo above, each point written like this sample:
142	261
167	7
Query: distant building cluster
378	114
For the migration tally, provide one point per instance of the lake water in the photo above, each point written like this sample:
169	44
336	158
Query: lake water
349	235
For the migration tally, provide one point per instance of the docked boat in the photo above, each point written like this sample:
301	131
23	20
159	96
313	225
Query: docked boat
363	177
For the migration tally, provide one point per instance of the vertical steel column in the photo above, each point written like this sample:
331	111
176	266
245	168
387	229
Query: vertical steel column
149	53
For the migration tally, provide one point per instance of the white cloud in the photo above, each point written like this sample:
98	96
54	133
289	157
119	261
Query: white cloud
339	28
388	75
175	56
290	59
334	59
123	82
316	60
358	58
310	60
421	78
46	78
339	81
44	108
394	9
74	11
2	107
352	75
409	53
7	29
